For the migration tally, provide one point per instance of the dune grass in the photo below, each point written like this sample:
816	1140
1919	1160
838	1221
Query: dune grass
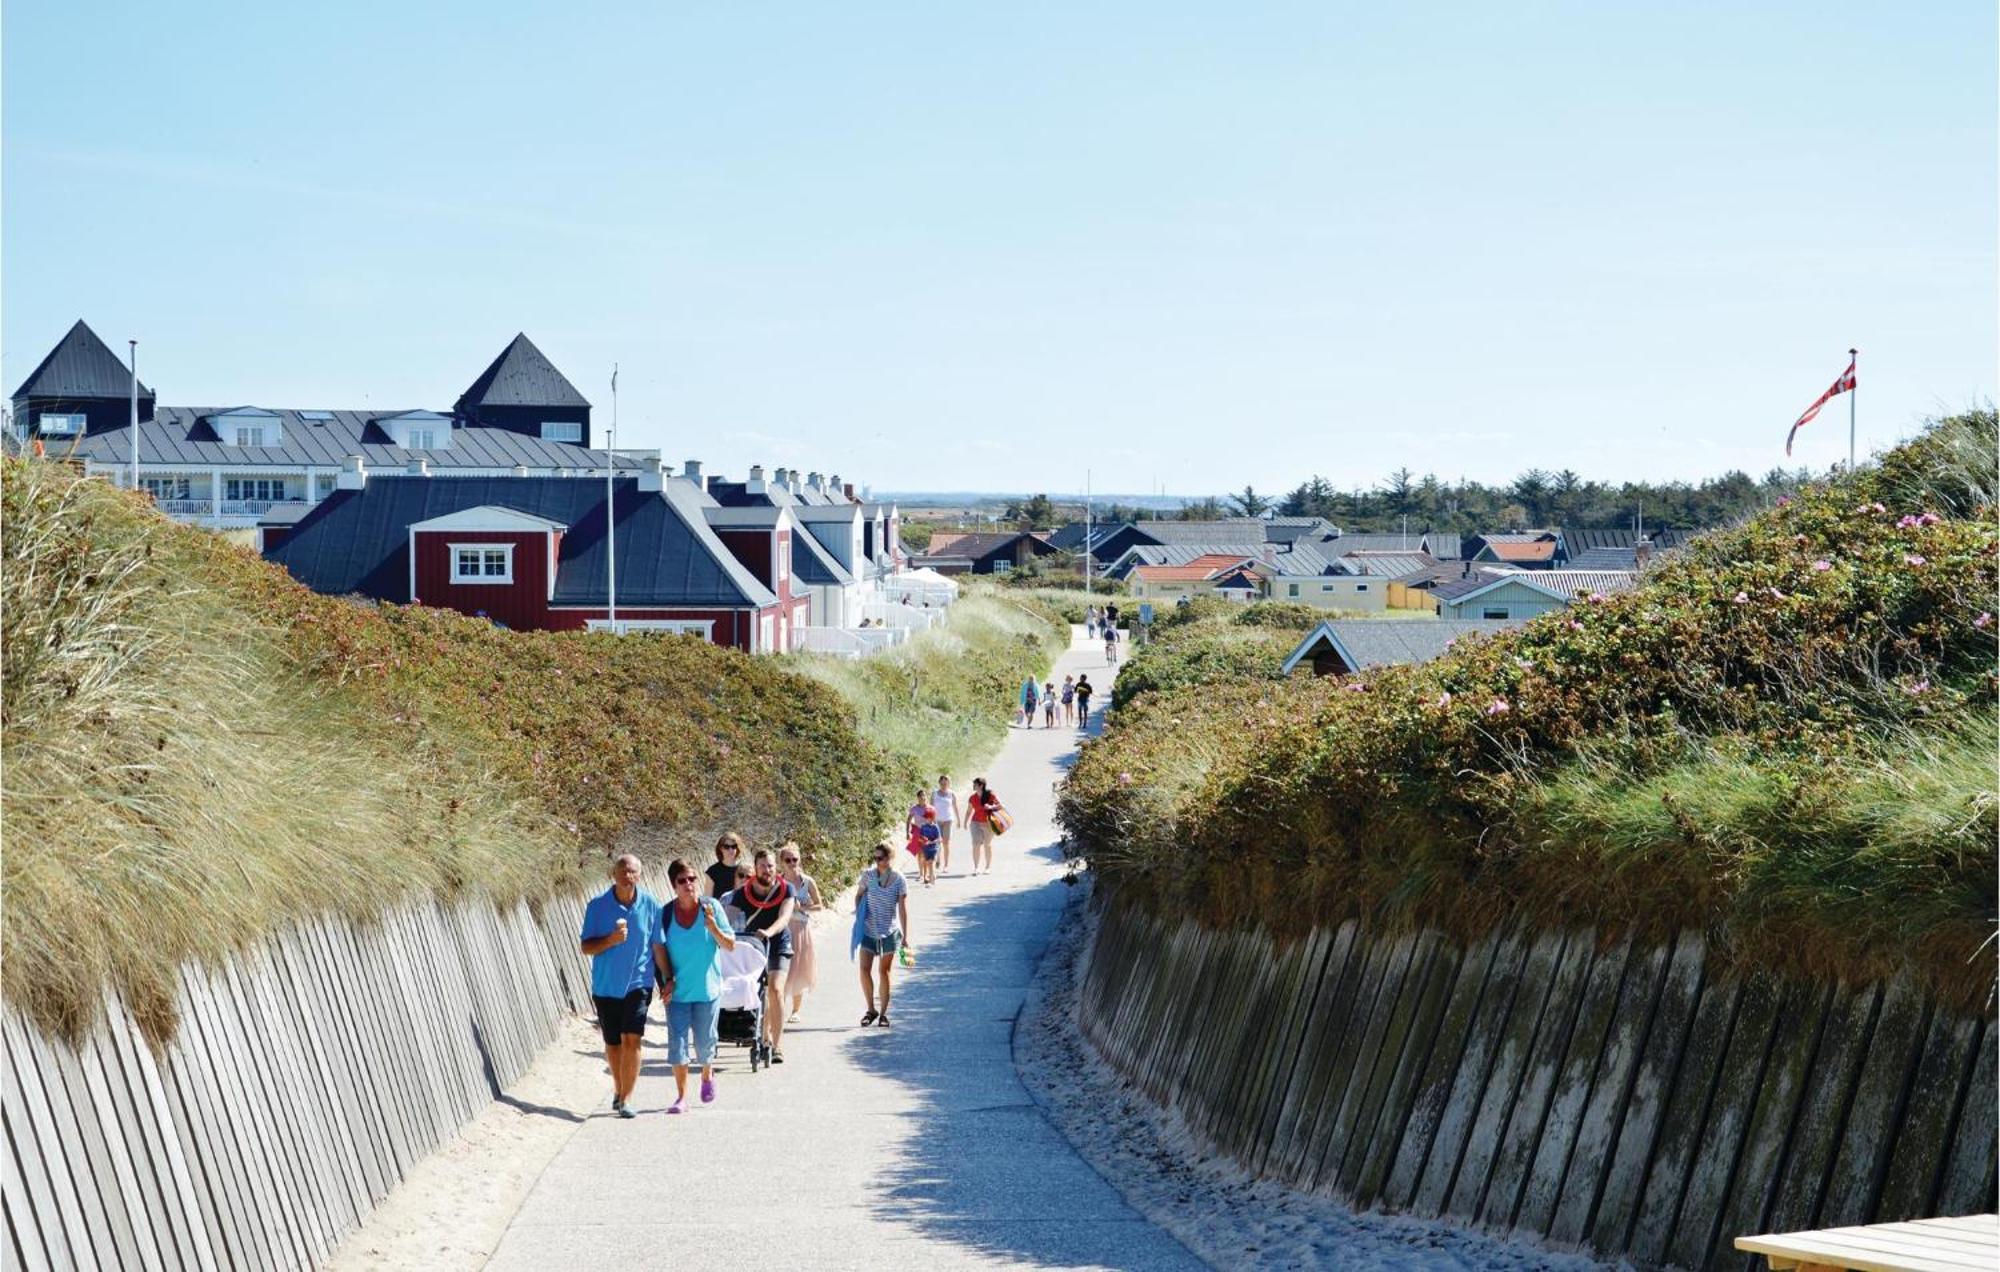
1784	737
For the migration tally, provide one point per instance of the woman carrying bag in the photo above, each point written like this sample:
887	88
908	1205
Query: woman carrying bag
987	818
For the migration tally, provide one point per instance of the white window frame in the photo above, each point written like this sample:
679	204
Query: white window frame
702	627
1496	612
482	577
165	487
423	439
250	435
264	489
567	426
62	423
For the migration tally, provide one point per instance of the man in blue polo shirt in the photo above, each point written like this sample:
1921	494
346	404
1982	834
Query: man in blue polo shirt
617	935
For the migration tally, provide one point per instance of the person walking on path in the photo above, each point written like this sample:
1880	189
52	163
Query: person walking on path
981	804
927	839
1083	692
803	975
913	817
728	855
692	930
883	903
1029	695
1049	705
1069	700
767	905
1110	646
617	924
944	802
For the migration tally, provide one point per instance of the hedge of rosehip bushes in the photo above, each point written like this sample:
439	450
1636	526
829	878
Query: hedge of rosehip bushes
1811	643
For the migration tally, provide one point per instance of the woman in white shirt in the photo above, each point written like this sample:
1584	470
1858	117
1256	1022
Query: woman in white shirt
946	805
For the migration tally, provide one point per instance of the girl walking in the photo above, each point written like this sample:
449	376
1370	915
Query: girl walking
883	903
804	977
1069	700
1049	705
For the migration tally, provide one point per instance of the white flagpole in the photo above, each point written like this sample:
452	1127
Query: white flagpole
1852	356
135	412
611	520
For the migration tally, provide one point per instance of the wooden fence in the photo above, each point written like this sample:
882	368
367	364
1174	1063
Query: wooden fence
1607	1097
306	1079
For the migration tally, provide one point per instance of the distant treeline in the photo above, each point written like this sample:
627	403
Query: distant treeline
1535	498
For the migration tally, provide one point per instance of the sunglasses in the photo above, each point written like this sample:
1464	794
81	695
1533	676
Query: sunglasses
790	861
881	856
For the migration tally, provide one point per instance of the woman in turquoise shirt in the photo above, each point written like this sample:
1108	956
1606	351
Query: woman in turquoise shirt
692	931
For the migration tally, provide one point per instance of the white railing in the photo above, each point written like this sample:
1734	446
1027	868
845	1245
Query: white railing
847	642
914	617
227	508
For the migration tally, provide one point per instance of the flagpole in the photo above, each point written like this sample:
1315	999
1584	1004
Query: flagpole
610	517
1852	354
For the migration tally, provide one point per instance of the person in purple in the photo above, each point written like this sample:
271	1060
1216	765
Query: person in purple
687	936
618	924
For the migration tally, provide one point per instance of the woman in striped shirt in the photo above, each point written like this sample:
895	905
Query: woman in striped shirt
883	900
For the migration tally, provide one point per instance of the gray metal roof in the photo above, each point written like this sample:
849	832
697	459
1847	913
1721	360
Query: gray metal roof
521	376
1390	565
176	435
1346	543
81	366
1575	583
815	564
1626	558
1381	642
1470	583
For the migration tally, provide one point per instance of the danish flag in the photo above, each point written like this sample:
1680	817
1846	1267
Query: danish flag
1845	384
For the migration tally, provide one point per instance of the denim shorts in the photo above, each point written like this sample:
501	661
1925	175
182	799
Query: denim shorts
698	1018
883	944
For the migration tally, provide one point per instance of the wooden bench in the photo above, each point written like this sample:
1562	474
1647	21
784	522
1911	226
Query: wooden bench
1923	1245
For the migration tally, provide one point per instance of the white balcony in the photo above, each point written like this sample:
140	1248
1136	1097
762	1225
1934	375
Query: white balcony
847	642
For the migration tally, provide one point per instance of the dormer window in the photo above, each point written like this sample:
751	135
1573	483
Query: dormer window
562	431
417	430
55	425
248	426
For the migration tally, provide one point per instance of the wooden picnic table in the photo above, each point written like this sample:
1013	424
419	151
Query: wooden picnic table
1922	1245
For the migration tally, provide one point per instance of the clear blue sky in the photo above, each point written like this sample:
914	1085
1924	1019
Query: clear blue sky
990	246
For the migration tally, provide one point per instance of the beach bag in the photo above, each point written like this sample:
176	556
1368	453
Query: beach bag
1001	820
915	846
860	928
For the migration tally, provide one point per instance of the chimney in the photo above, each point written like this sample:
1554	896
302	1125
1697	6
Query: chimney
652	475
520	470
782	477
796	486
353	474
420	468
755	484
848	490
813	481
692	471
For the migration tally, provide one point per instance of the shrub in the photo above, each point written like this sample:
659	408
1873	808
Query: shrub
1661	758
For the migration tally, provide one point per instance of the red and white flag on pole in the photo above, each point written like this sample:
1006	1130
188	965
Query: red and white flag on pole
1845	384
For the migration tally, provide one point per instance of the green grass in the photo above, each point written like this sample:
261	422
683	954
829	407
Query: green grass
1785	738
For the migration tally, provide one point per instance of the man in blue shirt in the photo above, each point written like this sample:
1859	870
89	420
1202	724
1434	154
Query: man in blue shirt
617	935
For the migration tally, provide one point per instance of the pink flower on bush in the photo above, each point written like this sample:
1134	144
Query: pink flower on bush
1575	626
1356	687
1929	519
1124	779
1743	598
1921	687
1776	595
1783	500
1985	619
1822	565
1906	522
1498	707
1444	699
1870	507
1914	558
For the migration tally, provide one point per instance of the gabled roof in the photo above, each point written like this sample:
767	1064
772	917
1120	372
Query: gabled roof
357	541
81	366
812	563
1348	544
1515	553
1571	584
1210	565
1362	643
521	376
1467	589
487	517
1072	537
176	435
1518	536
1605	559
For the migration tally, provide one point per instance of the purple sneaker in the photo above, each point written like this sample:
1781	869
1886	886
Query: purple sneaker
708	1090
680	1105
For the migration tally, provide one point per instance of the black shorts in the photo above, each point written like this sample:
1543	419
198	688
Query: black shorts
779	945
618	1017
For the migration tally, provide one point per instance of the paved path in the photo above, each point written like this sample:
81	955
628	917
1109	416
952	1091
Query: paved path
912	1148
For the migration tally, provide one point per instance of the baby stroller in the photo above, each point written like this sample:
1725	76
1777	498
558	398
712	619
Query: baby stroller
745	973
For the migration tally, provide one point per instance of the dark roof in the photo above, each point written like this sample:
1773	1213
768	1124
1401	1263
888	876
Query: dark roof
1626	558
985	544
1470	583
80	366
176	435
521	376
1382	642
1391	565
815	564
358	540
1070	538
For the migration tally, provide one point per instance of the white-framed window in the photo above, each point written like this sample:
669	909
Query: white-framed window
1003	567
1291	589
250	435
61	425
165	487
702	627
270	489
324	484
1495	611
767	632
1326	587
482	563
784	559
562	431
423	439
